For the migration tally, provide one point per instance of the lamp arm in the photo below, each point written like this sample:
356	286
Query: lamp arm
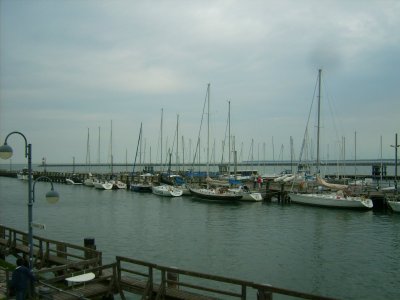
40	179
27	150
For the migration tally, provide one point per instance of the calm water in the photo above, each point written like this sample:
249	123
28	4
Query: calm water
336	253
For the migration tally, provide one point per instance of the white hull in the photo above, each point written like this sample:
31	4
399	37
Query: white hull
119	185
394	205
247	195
185	190
103	185
22	176
89	182
283	178
251	197
70	181
166	191
331	200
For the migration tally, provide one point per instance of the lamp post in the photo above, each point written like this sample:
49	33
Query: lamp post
5	153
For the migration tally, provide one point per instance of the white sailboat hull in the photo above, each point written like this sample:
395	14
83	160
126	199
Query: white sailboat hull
89	182
331	200
247	195
251	197
166	191
103	185
394	205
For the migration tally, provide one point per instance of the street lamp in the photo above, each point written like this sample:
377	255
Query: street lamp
5	153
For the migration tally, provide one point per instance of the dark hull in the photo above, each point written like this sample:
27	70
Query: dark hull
141	188
219	197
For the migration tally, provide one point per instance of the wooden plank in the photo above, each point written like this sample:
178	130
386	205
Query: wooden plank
138	286
88	290
4	242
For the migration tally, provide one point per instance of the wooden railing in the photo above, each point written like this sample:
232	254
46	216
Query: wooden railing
45	251
157	281
150	280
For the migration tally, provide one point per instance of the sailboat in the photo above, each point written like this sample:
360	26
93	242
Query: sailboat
337	197
220	190
247	194
143	185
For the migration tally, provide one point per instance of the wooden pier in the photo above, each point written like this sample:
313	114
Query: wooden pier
56	262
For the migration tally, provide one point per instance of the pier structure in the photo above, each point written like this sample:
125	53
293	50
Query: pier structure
65	271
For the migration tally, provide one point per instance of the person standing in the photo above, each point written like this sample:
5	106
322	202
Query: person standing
22	279
259	181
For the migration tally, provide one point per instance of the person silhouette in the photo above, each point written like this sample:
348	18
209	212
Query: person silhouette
22	279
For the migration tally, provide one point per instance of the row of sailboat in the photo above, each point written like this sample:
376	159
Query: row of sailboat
326	194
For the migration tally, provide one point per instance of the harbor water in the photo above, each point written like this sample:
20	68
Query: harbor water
344	254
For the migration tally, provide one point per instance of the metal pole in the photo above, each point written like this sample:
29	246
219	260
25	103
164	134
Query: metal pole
30	206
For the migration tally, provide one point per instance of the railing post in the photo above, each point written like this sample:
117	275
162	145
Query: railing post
3	236
264	295
243	292
151	280
61	250
173	280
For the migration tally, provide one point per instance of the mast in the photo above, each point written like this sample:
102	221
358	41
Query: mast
162	113
183	154
208	130
137	148
177	141
98	150
381	162
229	138
355	156
395	162
319	118
111	151
88	151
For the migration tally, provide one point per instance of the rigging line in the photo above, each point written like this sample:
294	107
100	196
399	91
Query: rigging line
224	141
201	125
332	111
137	148
308	121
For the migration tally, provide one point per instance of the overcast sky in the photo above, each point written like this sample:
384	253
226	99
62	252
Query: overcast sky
67	67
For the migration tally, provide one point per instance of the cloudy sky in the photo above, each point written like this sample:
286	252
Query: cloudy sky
69	67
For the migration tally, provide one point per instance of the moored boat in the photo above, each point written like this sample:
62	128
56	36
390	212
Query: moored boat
247	195
166	191
103	185
394	205
118	184
73	181
141	187
332	199
219	193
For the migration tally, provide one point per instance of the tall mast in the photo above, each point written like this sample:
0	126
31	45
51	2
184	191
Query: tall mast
229	138
177	141
162	113
355	155
98	150
111	150
208	131
396	145
137	148
319	117
88	151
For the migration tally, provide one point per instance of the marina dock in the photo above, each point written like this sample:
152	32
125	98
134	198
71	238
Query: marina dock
270	189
